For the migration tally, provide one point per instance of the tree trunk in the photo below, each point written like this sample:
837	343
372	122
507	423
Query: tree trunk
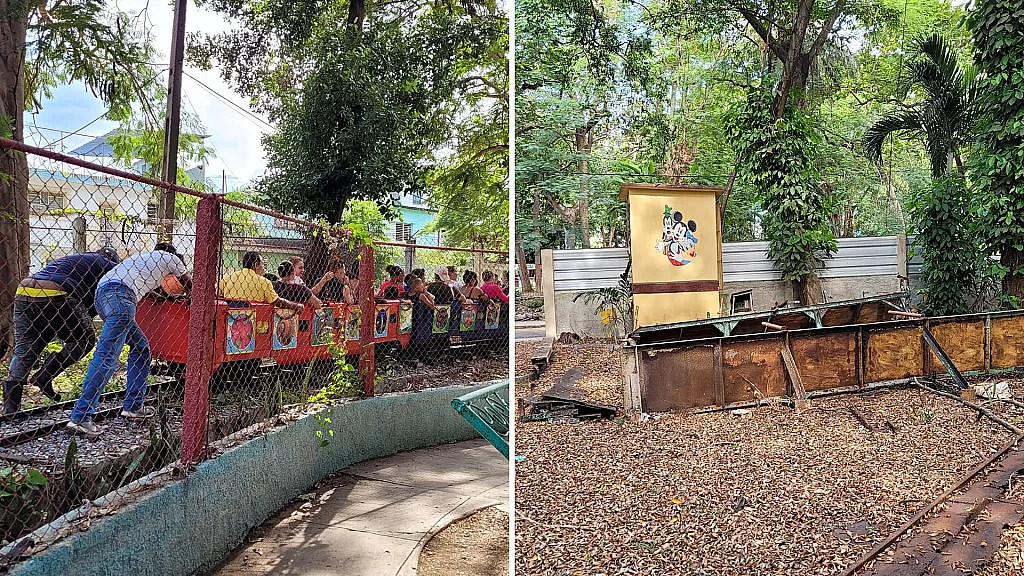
1013	282
584	145
796	64
524	273
14	211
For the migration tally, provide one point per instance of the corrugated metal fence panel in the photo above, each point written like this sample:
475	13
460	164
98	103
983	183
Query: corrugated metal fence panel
747	262
577	270
873	256
742	262
914	260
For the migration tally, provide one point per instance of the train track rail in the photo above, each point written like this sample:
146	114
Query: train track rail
961	528
45	426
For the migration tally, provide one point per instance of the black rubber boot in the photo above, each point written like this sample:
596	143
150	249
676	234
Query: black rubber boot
48	390
12	397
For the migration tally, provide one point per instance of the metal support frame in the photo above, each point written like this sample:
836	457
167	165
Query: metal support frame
929	339
368	307
487	411
201	338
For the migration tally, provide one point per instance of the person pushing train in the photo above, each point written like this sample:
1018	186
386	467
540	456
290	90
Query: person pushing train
55	302
117	295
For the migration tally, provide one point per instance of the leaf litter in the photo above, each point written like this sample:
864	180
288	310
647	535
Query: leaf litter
770	492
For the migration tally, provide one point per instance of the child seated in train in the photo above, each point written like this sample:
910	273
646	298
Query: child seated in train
287	288
395	274
418	292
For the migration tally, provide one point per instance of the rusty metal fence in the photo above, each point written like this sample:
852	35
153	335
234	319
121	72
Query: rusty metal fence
135	341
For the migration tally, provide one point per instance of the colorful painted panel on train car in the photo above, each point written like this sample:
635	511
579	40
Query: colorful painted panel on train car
405	317
442	315
323	323
380	322
468	322
240	337
286	330
493	316
355	316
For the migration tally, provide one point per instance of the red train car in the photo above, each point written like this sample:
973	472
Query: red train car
256	331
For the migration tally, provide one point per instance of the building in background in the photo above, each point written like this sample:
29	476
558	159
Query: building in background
416	217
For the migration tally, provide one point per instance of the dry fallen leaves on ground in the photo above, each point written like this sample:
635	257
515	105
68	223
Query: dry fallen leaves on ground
772	492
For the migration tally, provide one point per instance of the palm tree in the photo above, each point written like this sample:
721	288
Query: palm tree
944	117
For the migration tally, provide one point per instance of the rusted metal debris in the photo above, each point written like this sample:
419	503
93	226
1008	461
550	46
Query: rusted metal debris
929	339
951	539
559	402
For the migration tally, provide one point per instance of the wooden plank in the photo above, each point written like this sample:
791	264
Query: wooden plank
752	370
825	361
859	354
963	341
799	393
893	354
1007	351
674	287
543	354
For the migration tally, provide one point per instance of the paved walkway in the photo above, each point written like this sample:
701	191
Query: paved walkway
375	517
527	331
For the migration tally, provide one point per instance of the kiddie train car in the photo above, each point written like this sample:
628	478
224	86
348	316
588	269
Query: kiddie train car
250	331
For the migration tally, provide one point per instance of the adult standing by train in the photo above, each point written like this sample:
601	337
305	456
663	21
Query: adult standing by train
117	295
56	302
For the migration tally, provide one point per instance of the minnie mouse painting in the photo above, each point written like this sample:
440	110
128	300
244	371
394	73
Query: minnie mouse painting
677	239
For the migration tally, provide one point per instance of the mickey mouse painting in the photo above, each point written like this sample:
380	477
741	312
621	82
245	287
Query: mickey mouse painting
677	239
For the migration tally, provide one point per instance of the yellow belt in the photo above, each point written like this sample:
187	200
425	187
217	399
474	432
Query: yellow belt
39	292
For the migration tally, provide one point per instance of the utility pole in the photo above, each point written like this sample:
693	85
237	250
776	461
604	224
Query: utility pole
172	123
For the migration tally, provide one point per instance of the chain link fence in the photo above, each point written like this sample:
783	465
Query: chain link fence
138	338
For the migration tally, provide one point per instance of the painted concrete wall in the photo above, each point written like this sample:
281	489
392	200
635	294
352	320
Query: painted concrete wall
190	525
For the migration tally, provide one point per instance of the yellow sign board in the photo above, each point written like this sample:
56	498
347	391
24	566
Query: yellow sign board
676	252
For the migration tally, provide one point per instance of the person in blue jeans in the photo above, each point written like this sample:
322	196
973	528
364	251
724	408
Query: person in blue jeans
117	295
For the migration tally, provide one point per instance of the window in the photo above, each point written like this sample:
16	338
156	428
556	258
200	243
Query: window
43	201
403	232
416	198
741	302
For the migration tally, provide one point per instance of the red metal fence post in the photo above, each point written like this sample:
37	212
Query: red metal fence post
199	367
368	306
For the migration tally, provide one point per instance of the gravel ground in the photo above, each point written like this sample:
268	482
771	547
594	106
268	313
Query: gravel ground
400	377
772	492
524	351
472	546
601	382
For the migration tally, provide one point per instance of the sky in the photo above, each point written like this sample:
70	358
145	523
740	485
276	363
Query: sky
234	136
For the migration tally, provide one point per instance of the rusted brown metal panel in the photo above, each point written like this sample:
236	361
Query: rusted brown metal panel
719	377
893	353
750	364
677	378
964	343
1008	342
826	361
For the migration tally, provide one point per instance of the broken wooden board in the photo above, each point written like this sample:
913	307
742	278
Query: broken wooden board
800	400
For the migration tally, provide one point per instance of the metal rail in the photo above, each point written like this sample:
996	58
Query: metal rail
487	410
29	434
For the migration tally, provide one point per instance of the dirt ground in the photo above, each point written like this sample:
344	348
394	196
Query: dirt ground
770	492
473	546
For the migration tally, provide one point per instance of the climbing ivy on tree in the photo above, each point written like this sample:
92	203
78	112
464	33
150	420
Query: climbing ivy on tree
943	206
998	171
778	164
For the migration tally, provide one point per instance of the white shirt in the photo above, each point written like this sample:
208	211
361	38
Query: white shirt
144	271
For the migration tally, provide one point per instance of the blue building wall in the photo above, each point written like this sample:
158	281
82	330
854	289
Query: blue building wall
419	219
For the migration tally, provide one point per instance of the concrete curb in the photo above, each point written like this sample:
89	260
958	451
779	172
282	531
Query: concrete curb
189	525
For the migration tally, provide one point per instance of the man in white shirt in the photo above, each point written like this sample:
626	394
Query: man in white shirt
117	294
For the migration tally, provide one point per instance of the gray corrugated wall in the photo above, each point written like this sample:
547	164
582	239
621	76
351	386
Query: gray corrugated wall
578	270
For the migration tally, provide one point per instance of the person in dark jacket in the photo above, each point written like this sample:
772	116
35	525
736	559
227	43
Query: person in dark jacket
55	302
